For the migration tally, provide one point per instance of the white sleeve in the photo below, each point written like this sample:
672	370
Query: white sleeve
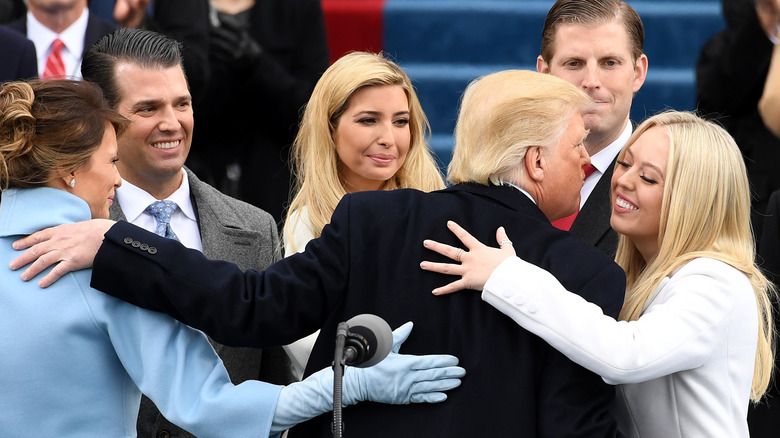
678	333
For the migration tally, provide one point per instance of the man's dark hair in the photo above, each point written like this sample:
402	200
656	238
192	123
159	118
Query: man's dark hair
141	47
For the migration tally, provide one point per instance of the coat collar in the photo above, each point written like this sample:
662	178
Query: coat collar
25	211
508	196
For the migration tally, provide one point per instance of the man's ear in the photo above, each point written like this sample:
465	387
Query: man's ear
541	65
534	164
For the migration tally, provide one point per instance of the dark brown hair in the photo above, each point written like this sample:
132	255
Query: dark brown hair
592	13
50	126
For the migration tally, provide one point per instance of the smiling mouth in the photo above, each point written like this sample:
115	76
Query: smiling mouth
624	204
166	144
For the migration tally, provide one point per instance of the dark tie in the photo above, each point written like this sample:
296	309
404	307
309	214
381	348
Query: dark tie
566	222
55	67
162	211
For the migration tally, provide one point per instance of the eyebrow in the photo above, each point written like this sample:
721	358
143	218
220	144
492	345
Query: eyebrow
378	113
646	163
155	102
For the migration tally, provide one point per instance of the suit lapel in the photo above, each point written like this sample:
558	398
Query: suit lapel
592	222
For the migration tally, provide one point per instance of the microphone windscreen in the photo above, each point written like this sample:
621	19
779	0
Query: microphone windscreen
378	334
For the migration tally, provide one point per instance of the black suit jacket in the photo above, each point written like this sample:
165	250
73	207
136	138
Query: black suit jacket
18	56
96	29
592	222
367	261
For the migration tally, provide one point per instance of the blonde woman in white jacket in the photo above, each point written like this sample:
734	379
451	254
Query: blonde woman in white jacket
692	346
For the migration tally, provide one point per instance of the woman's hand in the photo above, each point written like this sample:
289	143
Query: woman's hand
476	264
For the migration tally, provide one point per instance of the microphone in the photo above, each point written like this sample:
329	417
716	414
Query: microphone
361	342
368	340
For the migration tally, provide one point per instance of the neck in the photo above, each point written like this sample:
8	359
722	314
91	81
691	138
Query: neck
58	18
159	187
596	142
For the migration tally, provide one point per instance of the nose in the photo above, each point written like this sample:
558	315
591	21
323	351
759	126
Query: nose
590	79
385	135
169	120
584	157
117	178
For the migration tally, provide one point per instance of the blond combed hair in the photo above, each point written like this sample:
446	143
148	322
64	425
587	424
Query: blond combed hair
705	212
503	114
316	163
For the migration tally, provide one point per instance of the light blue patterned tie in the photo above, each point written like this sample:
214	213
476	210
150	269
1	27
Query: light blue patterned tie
162	211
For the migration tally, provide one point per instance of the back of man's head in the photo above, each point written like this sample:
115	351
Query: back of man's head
592	13
144	48
502	115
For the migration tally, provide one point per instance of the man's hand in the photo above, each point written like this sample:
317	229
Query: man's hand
70	246
130	13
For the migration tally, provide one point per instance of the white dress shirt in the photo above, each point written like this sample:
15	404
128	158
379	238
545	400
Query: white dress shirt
134	202
72	37
601	160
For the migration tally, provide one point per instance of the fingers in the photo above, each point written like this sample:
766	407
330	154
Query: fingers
464	236
445	364
400	335
442	248
32	239
501	236
442	268
429	397
455	286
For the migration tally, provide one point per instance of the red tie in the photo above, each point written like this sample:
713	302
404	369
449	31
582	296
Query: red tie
55	68
565	222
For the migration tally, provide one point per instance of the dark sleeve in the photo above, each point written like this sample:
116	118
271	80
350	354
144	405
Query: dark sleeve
575	402
249	309
186	21
289	84
732	67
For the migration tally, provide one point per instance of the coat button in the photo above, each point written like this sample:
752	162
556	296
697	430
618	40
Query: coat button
144	247
163	433
128	240
136	244
152	250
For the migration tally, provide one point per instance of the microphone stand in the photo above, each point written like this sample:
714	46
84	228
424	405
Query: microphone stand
338	374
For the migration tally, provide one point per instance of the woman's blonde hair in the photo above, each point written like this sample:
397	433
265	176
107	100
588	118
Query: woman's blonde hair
503	114
705	212
319	187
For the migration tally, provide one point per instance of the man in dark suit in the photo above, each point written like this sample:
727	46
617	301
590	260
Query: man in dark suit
597	46
141	75
517	162
18	59
66	20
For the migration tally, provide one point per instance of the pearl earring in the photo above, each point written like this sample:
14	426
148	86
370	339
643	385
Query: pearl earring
72	182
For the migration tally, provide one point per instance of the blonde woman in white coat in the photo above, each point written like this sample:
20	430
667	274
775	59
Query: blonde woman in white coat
692	346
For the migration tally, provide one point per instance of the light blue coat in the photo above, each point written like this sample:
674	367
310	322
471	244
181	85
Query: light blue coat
74	361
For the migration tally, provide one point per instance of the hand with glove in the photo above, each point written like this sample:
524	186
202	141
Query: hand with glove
399	379
231	43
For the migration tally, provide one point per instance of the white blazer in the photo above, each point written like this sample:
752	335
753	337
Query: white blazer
684	369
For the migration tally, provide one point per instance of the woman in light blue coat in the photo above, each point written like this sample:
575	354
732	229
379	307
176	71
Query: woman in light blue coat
74	361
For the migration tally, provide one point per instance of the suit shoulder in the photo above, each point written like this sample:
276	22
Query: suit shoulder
205	195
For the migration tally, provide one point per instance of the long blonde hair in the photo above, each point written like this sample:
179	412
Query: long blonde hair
705	212
319	187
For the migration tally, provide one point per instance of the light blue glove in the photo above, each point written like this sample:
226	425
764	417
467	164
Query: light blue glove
399	379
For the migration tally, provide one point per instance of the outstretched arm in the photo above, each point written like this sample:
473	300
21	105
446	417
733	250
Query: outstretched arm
69	247
398	379
476	264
